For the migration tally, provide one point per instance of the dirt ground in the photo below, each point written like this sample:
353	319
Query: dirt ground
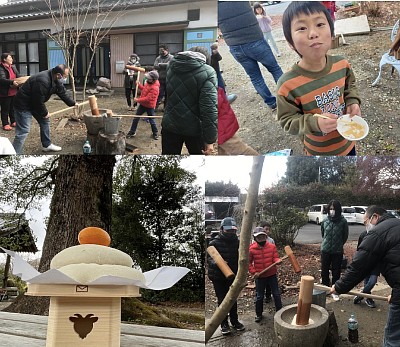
371	321
72	135
258	125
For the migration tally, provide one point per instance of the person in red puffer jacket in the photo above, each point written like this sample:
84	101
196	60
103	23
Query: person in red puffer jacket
261	255
228	142
147	101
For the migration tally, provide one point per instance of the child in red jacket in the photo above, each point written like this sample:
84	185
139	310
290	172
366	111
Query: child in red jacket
261	255
147	101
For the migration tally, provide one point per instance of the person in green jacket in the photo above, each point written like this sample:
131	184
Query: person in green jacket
191	114
334	231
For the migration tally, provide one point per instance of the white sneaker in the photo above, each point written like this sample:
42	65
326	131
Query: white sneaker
51	148
335	297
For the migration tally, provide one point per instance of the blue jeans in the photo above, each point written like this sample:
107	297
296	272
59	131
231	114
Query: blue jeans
248	55
24	121
392	328
369	283
261	283
150	112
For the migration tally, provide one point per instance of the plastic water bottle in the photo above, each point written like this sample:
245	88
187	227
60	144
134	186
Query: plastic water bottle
353	329
87	149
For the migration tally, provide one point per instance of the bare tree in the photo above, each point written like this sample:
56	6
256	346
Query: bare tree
245	235
77	20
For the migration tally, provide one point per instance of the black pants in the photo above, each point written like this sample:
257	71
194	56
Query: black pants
221	287
7	110
172	143
330	260
128	92
163	92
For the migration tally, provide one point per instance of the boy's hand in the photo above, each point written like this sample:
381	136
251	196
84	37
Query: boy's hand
327	125
353	110
256	275
135	99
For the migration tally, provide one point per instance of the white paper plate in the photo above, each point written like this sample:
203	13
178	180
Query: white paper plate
356	130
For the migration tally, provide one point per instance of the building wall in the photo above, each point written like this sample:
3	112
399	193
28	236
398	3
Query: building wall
121	47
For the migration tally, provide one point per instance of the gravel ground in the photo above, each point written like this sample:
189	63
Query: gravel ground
258	125
72	135
371	320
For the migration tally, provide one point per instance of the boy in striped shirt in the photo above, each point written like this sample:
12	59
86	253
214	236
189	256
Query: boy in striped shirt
318	83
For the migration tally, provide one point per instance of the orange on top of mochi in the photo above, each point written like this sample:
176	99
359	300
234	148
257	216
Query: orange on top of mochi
94	235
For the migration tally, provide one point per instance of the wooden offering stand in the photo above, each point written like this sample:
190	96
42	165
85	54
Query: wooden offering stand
84	315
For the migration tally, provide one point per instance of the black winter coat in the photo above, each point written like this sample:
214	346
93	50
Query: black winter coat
228	247
192	107
37	90
5	82
380	245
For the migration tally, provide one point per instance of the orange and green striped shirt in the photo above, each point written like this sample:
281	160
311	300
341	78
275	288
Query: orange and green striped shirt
302	93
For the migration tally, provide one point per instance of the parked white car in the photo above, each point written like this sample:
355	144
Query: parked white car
317	213
360	213
350	214
394	213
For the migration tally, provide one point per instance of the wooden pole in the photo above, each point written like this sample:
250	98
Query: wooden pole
273	264
222	265
137	86
93	105
305	300
363	295
68	108
136	116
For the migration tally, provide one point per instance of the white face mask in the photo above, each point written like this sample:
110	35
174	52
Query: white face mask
369	226
332	213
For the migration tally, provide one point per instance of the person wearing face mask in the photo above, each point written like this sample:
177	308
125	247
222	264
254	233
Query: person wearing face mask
161	64
227	244
30	102
261	255
334	231
381	246
147	101
130	80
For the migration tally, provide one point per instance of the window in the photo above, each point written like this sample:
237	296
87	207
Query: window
194	15
146	44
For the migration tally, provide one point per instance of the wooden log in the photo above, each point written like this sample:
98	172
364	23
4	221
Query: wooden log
93	141
93	105
110	144
305	300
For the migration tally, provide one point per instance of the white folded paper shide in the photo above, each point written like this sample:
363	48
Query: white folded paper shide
157	279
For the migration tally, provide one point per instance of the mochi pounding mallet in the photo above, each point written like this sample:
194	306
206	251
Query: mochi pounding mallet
222	265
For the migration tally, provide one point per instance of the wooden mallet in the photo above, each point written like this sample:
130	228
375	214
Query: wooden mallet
292	259
139	70
222	265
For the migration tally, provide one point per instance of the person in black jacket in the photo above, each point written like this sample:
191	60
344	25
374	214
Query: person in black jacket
8	89
30	102
370	280
380	246
227	244
191	115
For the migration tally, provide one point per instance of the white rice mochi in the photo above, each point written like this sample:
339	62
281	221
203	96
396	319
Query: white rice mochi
90	254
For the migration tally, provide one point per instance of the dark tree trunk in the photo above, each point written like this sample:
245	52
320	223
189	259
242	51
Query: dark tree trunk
82	197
